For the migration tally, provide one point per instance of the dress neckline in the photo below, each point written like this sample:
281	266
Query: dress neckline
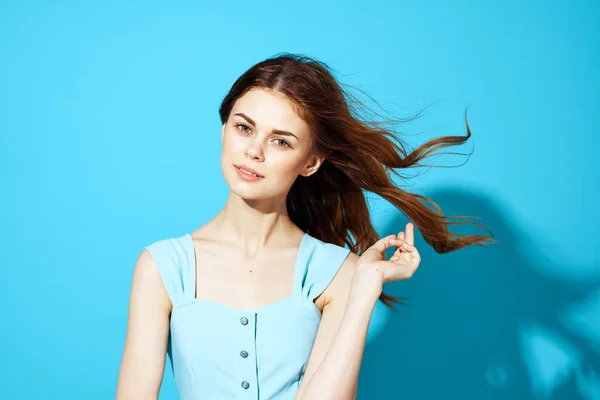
255	309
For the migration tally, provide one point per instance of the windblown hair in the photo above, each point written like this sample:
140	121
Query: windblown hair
360	154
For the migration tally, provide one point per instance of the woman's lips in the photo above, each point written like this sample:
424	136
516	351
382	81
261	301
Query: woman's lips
247	176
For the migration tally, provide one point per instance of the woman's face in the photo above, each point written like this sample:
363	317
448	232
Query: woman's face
265	134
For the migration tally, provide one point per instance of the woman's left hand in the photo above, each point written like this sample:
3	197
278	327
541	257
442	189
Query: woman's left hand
403	263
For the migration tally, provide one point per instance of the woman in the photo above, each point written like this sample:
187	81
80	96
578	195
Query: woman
264	301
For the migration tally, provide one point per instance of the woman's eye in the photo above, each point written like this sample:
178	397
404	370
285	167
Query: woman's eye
283	143
243	127
246	129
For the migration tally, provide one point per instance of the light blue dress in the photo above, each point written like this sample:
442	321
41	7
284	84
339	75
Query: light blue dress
218	352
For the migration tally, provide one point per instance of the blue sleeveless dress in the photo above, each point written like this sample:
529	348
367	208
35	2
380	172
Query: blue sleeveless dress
218	352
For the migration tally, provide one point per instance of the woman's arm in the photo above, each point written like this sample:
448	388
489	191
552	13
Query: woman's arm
340	341
143	362
334	364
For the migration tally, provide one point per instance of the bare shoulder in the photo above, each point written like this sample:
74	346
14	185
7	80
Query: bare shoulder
147	283
340	285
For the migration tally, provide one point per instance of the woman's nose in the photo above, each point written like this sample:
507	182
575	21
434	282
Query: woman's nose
254	150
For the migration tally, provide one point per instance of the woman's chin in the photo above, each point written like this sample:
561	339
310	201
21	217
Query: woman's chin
245	191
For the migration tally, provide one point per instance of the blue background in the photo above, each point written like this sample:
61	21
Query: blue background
110	140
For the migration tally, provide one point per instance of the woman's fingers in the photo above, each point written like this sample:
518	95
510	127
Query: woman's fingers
409	237
402	245
383	244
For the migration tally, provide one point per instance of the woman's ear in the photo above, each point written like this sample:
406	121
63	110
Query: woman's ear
312	165
223	132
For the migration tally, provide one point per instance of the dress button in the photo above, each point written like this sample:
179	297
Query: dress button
245	385
244	353
244	321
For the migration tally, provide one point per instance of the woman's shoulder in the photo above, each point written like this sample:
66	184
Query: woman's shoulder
324	263
334	273
172	258
168	250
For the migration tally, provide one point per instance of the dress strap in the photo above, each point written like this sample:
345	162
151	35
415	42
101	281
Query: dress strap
318	263
189	277
172	259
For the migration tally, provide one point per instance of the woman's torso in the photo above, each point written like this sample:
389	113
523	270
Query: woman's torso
222	350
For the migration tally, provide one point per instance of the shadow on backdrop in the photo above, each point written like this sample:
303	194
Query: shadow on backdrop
481	322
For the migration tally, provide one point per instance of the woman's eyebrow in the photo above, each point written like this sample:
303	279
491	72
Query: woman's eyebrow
277	131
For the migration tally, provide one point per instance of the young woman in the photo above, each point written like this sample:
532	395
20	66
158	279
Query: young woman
265	301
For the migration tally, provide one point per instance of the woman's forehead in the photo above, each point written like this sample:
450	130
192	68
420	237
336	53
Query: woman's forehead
270	109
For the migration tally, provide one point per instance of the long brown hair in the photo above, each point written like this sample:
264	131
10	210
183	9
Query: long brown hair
360	154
